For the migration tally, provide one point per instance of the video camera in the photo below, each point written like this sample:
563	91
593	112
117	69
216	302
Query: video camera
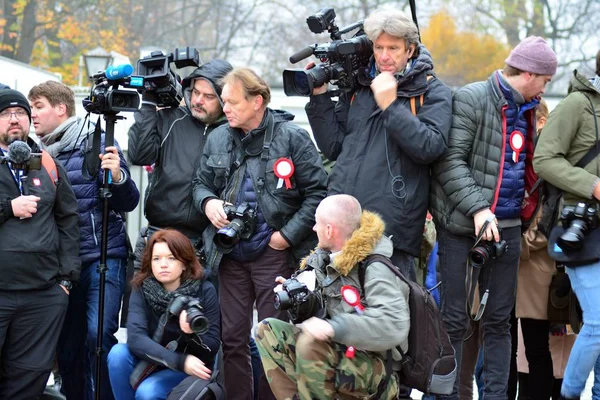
160	79
299	302
106	97
195	313
577	221
342	60
242	226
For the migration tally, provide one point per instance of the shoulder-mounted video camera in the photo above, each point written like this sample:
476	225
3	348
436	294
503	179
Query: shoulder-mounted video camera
106	97
342	60
160	79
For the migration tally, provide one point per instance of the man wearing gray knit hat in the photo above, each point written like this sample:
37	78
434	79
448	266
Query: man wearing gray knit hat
481	196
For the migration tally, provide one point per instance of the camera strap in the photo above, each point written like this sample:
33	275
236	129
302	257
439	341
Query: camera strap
91	163
264	155
472	277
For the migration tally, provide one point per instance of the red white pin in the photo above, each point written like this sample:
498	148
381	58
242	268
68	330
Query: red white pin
517	142
37	182
284	169
352	297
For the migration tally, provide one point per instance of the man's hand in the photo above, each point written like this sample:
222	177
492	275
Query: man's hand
215	213
597	191
279	287
195	367
277	241
491	232
64	288
318	90
317	328
385	89
111	162
183	324
24	206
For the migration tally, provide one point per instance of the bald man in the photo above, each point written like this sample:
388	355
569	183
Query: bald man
299	360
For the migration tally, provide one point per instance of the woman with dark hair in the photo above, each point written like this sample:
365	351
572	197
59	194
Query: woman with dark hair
169	269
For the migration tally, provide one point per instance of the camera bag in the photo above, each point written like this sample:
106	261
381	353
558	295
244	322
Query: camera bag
428	365
194	388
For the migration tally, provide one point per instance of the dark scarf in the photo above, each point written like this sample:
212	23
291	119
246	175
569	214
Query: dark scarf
158	297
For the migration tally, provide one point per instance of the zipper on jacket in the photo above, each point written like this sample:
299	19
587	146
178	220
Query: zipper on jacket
94	228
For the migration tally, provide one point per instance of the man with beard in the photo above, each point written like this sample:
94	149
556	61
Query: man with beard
39	249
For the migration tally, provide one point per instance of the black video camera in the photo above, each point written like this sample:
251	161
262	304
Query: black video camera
106	97
342	60
299	302
577	221
195	315
486	250
160	79
241	226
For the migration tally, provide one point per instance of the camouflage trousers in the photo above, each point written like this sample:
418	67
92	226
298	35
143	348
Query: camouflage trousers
298	367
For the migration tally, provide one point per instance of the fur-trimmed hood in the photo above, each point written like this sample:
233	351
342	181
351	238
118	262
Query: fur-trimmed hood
366	240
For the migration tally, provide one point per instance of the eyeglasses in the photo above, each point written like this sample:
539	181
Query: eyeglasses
5	115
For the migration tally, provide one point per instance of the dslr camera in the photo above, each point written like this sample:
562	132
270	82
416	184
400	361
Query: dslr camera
577	221
342	60
195	315
160	79
241	226
486	250
299	302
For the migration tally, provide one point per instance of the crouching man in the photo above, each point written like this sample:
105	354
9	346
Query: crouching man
345	351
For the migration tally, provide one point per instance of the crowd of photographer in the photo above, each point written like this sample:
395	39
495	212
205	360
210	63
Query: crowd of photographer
243	216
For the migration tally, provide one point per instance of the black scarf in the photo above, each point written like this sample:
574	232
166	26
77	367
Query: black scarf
157	296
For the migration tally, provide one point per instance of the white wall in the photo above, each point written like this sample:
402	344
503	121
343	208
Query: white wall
23	77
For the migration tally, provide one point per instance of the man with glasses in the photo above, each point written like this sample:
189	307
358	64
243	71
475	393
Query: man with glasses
39	249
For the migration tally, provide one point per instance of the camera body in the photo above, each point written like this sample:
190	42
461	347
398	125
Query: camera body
242	224
195	313
160	79
577	221
341	60
486	250
297	300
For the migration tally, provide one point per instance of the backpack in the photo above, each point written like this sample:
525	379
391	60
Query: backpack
429	364
194	388
50	166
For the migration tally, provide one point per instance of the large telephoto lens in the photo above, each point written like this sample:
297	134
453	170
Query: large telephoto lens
228	236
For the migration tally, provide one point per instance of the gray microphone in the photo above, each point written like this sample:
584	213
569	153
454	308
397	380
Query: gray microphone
19	154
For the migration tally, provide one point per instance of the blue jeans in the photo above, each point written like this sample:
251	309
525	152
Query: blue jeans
77	342
500	277
157	386
596	387
585	352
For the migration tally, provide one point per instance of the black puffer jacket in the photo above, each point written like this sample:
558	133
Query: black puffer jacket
173	140
292	212
382	158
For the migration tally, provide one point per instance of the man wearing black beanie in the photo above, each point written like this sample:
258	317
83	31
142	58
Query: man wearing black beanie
39	249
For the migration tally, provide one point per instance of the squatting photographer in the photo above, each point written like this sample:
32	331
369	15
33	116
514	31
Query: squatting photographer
566	156
173	325
300	360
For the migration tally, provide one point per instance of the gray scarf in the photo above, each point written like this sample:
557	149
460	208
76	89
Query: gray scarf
158	297
596	82
65	137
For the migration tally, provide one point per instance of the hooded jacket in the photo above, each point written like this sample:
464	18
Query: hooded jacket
290	211
385	321
173	140
71	148
567	136
382	157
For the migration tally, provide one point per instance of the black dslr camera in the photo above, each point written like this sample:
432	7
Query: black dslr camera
577	221
299	302
160	79
484	250
195	315
342	60
241	226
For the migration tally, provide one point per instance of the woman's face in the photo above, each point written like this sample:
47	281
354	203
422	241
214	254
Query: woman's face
165	267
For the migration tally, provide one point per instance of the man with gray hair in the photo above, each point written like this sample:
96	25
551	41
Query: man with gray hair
384	136
301	360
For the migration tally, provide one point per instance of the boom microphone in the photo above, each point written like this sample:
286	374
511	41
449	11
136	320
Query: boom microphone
114	73
302	54
19	152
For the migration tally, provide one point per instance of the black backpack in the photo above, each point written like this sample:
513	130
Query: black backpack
429	365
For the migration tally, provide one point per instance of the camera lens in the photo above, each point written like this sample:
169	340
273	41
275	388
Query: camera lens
572	239
282	300
479	255
198	322
228	236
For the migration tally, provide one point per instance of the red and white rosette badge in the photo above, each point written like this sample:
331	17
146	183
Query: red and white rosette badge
517	142
284	169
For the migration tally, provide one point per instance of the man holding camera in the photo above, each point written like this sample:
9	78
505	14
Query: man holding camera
39	253
383	149
315	360
480	194
65	136
173	139
566	156
270	172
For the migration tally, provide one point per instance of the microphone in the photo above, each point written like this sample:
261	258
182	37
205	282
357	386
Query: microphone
302	54
116	72
19	153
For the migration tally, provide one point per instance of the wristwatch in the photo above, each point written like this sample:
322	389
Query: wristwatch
67	284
